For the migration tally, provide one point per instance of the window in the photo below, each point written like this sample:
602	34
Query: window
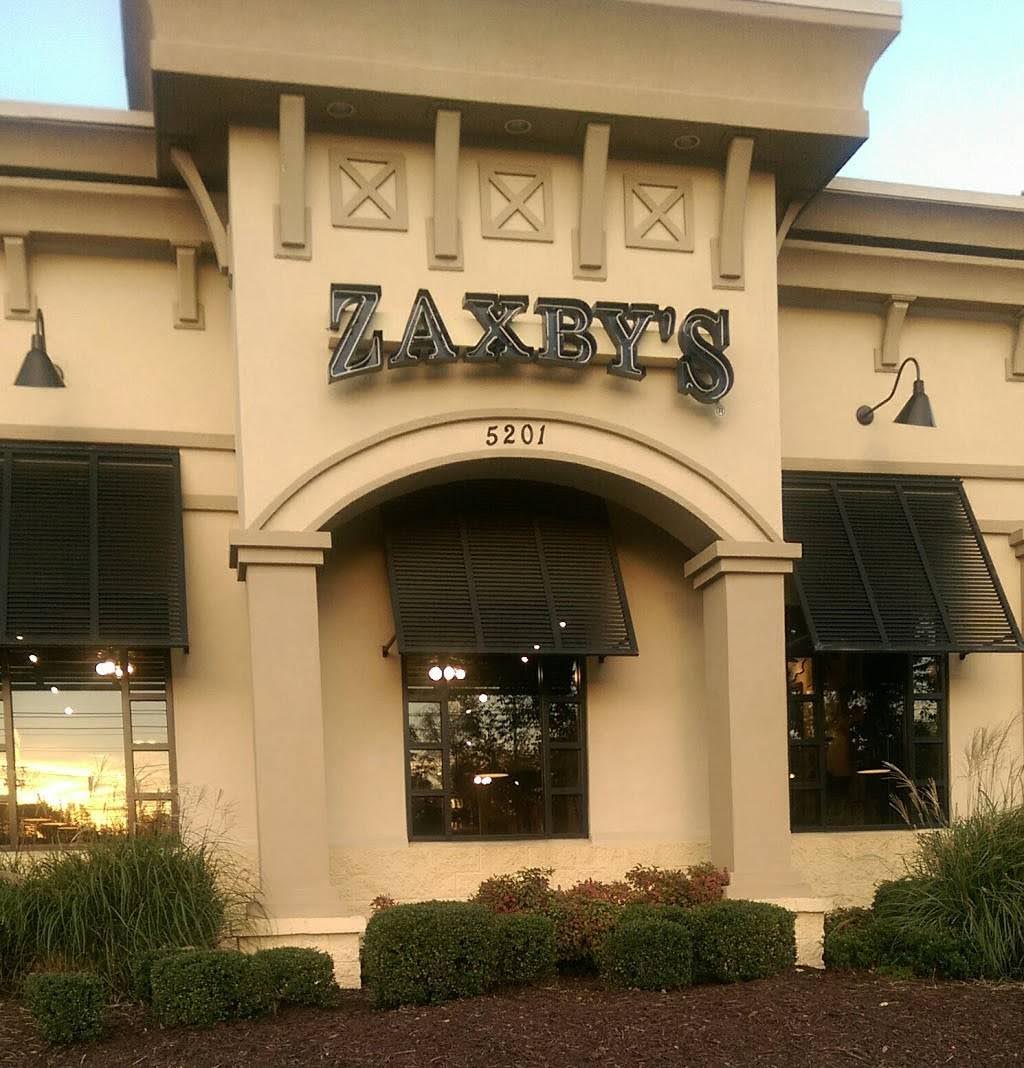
850	715
498	753
85	752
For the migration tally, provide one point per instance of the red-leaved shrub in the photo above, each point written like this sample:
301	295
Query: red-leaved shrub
528	890
698	885
382	902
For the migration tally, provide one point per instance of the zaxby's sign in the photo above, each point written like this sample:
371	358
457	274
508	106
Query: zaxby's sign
703	371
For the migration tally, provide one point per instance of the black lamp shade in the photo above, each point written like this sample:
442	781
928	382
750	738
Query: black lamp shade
37	369
918	410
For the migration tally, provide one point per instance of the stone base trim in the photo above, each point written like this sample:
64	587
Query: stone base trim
339	936
810	926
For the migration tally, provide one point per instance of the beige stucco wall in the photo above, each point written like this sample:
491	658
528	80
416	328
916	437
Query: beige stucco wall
827	369
647	744
282	311
132	377
109	325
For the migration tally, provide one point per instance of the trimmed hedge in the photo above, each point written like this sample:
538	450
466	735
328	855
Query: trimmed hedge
198	988
295	975
581	924
67	1007
141	968
861	939
851	939
429	952
647	954
737	940
524	949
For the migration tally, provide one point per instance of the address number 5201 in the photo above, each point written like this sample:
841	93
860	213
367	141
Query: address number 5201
516	434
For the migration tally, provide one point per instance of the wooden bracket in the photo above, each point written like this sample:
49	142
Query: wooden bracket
887	358
727	248
588	241
18	300
292	220
444	230
185	166
789	216
1015	360
188	312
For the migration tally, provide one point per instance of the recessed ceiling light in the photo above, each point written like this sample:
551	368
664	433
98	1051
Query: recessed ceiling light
341	109
518	126
686	142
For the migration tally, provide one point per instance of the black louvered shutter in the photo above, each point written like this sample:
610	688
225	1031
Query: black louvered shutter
91	544
894	563
505	568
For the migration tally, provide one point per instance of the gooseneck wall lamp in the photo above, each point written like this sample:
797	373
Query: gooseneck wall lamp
916	412
37	369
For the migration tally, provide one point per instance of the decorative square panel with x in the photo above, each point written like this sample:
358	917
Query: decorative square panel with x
515	202
368	190
659	210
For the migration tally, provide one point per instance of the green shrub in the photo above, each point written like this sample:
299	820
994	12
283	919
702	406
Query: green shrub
429	952
642	911
141	967
928	953
107	905
967	878
528	890
647	954
198	988
524	949
739	940
851	939
67	1007
296	976
19	917
580	925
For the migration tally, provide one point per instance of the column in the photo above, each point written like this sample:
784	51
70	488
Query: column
741	584
279	571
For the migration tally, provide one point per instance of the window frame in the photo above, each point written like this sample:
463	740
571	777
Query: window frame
130	747
545	698
910	743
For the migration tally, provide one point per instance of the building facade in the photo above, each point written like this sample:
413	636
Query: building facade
450	464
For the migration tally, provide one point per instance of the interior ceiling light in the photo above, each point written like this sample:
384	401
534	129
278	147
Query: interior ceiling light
68	710
916	412
32	658
37	369
518	126
686	142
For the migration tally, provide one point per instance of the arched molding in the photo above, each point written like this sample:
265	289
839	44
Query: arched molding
637	471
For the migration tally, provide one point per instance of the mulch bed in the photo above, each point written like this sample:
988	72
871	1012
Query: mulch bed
802	1020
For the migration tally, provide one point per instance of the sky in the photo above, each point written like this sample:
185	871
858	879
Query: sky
945	99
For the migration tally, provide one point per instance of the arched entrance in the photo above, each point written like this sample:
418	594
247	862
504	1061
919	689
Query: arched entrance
738	565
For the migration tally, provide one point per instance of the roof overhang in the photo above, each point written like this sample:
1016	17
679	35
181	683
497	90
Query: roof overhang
790	74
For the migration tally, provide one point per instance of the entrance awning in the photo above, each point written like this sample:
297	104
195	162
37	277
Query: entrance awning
91	546
894	563
509	567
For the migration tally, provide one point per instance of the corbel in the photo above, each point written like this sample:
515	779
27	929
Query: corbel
887	358
789	216
727	248
18	300
1015	360
444	230
188	312
292	220
185	166
588	240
